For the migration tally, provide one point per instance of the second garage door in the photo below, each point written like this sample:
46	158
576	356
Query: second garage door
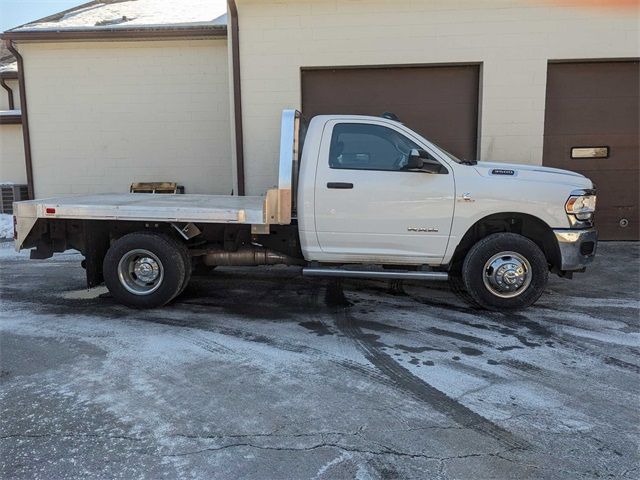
440	103
591	127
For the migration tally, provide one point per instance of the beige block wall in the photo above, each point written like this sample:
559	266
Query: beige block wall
103	115
4	96
12	166
514	39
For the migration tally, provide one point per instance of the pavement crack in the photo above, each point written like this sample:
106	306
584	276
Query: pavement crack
264	435
384	451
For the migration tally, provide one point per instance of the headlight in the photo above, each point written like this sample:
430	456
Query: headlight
582	206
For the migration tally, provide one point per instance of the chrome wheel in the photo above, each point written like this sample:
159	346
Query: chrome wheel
507	274
140	272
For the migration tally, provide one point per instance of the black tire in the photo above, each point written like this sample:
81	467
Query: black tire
457	287
490	296
170	257
188	267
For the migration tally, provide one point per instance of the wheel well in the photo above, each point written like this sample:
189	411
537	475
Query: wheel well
526	225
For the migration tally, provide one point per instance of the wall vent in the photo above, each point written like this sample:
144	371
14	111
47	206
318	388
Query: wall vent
12	193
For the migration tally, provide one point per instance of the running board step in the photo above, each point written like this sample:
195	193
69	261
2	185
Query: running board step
375	274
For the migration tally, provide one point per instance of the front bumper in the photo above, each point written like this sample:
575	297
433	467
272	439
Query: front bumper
577	248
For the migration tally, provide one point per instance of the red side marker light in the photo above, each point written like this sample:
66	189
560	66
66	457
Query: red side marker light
50	211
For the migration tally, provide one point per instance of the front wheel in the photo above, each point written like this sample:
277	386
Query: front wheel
145	270
505	271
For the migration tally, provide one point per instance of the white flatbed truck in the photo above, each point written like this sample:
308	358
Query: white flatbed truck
357	196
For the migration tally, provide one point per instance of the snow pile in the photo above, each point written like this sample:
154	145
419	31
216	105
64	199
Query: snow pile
6	226
137	13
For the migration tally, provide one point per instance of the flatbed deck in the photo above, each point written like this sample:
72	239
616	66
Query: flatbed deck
150	207
274	208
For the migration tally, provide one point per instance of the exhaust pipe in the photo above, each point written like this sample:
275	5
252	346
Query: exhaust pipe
248	257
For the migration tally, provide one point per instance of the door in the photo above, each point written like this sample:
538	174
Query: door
591	127
369	208
438	102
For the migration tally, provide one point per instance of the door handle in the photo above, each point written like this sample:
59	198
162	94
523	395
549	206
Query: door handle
340	185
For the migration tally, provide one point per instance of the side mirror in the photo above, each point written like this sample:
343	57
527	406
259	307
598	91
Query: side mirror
414	163
416	159
423	154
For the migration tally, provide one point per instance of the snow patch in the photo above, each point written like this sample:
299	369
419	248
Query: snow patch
6	226
85	294
138	13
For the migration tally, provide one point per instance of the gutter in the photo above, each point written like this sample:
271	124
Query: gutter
25	118
237	94
121	33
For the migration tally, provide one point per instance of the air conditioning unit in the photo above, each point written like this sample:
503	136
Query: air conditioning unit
12	193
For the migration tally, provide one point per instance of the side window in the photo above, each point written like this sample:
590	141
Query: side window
359	146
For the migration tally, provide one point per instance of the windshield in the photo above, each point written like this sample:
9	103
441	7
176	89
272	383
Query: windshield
444	152
448	154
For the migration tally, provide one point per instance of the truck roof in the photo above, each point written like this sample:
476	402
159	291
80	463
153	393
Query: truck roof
359	118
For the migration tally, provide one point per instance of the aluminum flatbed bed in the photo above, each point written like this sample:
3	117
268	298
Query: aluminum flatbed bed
274	208
150	207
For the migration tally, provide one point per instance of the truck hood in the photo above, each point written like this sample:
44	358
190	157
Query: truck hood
535	173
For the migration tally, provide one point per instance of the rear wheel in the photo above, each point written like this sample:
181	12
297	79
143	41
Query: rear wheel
145	270
505	271
188	266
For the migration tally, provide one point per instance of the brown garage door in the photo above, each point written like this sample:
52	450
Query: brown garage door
596	105
440	103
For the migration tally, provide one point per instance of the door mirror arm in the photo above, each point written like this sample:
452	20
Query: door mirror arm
416	162
416	159
432	168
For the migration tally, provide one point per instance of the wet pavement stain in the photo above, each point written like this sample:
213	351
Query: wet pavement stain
318	328
509	348
378	326
471	352
408	349
622	364
417	387
520	365
459	336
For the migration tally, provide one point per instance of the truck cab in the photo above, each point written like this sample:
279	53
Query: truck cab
357	196
362	199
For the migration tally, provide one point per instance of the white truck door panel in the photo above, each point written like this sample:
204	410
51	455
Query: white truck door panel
367	208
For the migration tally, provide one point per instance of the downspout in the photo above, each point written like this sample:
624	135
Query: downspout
12	105
237	95
25	118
